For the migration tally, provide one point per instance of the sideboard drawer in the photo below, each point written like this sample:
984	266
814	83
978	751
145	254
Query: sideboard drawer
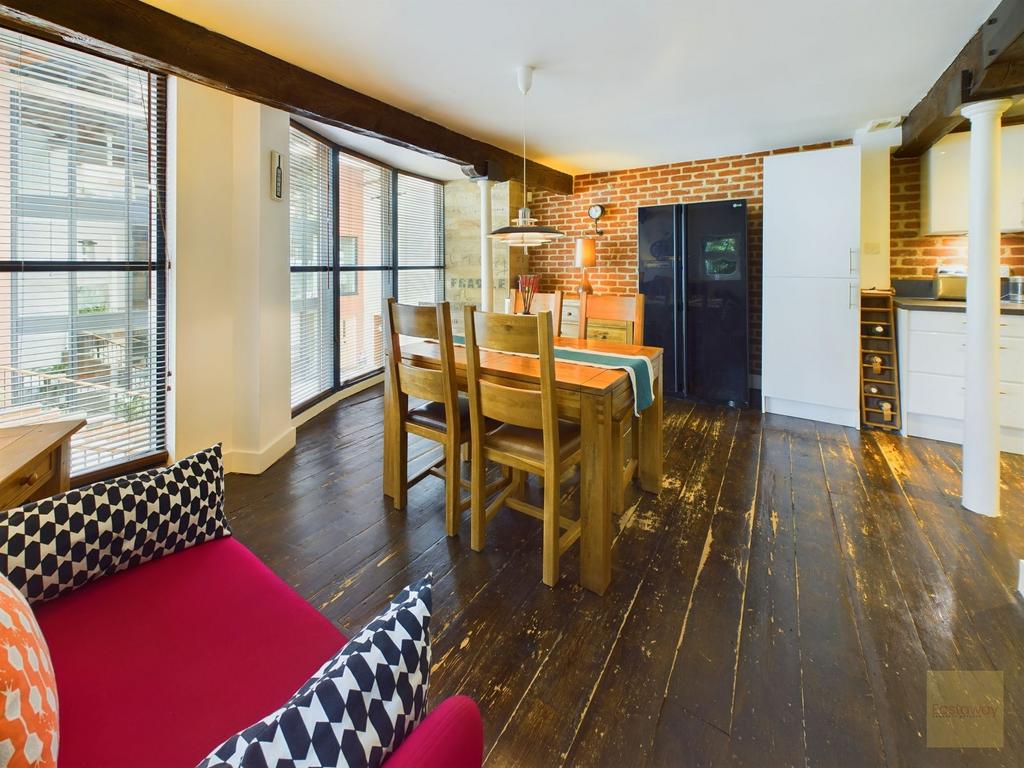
610	330
17	489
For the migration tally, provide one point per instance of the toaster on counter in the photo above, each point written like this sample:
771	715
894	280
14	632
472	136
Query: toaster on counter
949	286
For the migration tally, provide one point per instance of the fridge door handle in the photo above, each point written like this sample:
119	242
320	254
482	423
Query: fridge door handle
853	295
854	260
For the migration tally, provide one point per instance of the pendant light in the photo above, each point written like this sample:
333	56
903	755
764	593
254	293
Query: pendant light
525	231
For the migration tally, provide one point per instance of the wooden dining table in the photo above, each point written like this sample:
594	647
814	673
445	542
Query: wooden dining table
585	394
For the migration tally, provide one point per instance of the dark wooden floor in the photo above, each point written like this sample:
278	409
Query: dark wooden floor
778	604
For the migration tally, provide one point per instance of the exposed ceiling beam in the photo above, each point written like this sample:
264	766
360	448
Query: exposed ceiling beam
991	65
141	35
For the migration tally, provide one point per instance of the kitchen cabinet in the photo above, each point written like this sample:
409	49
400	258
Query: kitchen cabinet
945	181
812	207
811	293
932	369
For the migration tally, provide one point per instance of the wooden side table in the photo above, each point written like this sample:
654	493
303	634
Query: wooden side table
35	461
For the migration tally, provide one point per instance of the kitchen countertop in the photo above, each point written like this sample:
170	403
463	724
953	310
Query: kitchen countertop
944	305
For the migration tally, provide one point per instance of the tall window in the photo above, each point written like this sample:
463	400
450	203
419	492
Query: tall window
360	232
312	265
82	267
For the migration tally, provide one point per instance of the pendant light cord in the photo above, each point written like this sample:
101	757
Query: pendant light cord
526	202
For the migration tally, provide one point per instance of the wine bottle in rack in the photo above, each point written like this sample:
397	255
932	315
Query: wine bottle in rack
871	389
878	330
887	411
875	361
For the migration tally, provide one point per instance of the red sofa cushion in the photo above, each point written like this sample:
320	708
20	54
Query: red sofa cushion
155	666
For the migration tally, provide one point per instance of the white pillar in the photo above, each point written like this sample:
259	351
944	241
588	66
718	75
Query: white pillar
981	398
486	266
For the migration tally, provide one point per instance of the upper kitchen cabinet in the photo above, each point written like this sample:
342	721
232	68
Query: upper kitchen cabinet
945	178
823	188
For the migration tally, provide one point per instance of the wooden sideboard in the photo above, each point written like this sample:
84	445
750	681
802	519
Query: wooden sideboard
35	461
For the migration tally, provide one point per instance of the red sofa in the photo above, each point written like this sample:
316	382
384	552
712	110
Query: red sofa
157	665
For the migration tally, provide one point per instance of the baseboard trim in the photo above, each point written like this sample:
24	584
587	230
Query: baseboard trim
812	411
337	397
257	462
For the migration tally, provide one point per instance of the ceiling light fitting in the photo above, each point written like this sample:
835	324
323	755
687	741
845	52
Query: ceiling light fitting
525	231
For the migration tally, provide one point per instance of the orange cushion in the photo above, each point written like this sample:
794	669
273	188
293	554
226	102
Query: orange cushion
28	693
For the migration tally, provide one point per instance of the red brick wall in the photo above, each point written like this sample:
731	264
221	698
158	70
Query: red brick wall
621	192
913	255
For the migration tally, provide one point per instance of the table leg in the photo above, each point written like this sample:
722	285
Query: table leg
392	436
651	434
596	492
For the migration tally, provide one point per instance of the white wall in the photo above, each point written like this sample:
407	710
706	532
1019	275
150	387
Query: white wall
229	282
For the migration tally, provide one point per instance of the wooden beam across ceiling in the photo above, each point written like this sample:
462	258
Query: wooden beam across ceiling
134	33
990	66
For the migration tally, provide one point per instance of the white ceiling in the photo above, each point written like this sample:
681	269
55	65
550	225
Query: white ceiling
619	83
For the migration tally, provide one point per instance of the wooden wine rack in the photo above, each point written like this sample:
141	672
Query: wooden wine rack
879	371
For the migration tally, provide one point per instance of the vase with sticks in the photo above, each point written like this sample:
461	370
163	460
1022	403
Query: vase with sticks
528	285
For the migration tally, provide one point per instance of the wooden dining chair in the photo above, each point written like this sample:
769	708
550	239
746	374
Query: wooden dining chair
444	418
530	439
542	302
627	309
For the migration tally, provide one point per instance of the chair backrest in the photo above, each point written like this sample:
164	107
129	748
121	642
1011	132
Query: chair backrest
520	403
542	302
411	379
627	309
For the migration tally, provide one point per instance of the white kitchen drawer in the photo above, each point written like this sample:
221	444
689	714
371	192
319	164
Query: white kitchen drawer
932	352
935	395
941	322
1012	326
1011	405
1011	359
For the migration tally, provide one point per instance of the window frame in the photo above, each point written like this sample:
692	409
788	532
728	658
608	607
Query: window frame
338	270
156	264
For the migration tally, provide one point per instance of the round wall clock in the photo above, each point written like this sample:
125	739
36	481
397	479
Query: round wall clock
595	212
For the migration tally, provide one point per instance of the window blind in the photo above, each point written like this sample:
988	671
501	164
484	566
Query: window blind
82	267
312	264
365	228
360	232
420	212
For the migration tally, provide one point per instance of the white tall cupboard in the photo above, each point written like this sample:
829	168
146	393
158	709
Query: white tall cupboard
811	294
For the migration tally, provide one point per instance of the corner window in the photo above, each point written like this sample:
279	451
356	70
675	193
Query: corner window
360	232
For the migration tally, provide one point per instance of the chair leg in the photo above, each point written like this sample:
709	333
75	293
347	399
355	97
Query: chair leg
452	487
552	503
478	504
402	459
518	479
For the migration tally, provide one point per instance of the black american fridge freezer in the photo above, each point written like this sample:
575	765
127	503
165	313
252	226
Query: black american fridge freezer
693	272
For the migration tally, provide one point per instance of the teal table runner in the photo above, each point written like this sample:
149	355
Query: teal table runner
637	367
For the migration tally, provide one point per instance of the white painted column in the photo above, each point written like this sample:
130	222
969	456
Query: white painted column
981	398
486	252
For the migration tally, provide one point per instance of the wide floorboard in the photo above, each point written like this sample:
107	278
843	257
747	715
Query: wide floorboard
778	604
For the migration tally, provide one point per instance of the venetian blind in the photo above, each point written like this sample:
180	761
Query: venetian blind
420	213
365	233
311	258
82	268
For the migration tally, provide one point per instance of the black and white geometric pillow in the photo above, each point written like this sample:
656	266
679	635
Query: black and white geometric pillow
55	545
358	707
